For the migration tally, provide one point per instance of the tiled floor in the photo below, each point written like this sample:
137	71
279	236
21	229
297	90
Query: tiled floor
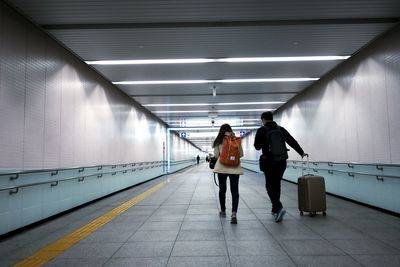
179	225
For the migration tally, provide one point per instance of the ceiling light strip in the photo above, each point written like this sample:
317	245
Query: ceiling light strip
212	128
207	111
258	80
214	60
282	59
214	104
164	82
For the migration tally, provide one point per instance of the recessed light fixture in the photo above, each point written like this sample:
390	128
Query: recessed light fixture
164	82
211	128
206	111
251	119
282	59
214	60
213	104
151	61
267	80
259	80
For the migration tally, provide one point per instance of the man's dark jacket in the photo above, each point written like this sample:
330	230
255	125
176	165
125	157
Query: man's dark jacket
261	142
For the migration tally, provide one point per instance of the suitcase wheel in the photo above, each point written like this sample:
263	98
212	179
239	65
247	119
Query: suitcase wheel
301	213
324	213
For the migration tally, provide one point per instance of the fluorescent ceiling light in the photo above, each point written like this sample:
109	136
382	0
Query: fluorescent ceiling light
263	80
250	103
251	119
164	82
212	104
207	122
282	59
214	60
202	134
218	81
250	123
211	128
207	111
151	61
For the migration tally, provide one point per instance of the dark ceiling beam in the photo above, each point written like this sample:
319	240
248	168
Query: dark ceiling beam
248	23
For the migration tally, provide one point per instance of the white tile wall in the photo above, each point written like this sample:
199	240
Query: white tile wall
352	114
34	101
67	117
12	89
56	112
182	150
392	78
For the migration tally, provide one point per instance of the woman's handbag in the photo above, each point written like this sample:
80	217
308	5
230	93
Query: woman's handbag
212	163
213	160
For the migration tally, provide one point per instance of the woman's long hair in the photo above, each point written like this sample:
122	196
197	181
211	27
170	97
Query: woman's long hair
222	130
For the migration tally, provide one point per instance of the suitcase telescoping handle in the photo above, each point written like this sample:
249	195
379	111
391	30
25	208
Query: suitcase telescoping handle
308	165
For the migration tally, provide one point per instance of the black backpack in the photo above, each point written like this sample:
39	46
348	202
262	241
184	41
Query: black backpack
277	150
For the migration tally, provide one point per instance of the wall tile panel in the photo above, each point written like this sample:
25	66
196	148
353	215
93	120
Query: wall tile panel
57	112
392	75
79	115
379	113
34	101
12	90
352	114
338	119
67	116
348	103
52	107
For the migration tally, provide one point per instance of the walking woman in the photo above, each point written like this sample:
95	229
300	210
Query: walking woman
225	171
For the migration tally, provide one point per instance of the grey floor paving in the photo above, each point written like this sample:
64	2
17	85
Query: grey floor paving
179	225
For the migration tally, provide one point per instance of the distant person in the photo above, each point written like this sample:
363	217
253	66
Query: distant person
272	139
225	171
198	159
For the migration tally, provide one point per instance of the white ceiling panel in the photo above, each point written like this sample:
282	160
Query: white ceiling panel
216	70
150	11
214	42
182	29
226	89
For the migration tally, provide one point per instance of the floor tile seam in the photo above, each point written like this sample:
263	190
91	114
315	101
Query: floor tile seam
380	240
76	236
327	240
165	182
180	227
275	239
332	244
256	192
216	194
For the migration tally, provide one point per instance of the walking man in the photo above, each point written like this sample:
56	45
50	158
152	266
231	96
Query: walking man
272	139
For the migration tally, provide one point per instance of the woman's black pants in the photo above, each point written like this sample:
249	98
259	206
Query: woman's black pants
234	184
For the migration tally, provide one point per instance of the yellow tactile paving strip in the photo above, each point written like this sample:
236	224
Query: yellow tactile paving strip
54	249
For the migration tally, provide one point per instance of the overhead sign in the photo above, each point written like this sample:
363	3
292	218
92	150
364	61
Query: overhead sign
182	134
242	133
